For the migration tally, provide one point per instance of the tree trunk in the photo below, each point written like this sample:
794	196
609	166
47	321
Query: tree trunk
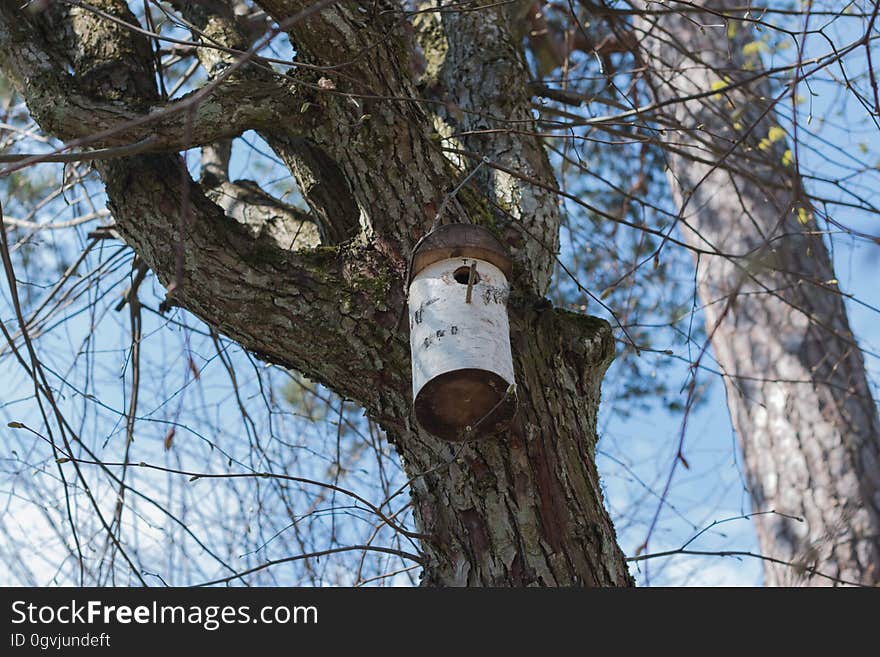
524	508
796	383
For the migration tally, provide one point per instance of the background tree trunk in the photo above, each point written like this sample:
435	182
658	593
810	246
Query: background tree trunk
795	378
524	508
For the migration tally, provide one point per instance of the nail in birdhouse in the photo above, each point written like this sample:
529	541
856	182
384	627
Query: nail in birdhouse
462	368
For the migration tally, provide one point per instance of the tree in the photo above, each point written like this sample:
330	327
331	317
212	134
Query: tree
795	377
392	118
523	510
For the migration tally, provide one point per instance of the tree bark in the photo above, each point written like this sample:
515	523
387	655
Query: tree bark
795	378
523	508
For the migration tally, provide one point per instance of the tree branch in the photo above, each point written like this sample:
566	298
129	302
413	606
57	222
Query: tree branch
374	124
476	69
63	105
320	180
320	310
244	201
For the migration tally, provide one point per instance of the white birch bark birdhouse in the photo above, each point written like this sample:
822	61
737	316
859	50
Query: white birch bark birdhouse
462	367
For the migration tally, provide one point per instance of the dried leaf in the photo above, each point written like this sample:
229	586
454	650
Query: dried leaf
169	439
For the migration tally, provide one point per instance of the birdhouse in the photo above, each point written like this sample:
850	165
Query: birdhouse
462	367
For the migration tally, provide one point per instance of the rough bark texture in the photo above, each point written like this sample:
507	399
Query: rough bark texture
122	109
524	508
476	71
795	378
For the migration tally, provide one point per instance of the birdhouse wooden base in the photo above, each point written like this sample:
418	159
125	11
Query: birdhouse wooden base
463	404
462	366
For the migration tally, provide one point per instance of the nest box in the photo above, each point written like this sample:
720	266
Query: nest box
462	367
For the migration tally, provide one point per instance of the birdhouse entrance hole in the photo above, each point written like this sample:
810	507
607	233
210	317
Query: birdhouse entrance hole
463	275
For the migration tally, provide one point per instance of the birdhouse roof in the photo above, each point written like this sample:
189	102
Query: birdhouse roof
461	241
